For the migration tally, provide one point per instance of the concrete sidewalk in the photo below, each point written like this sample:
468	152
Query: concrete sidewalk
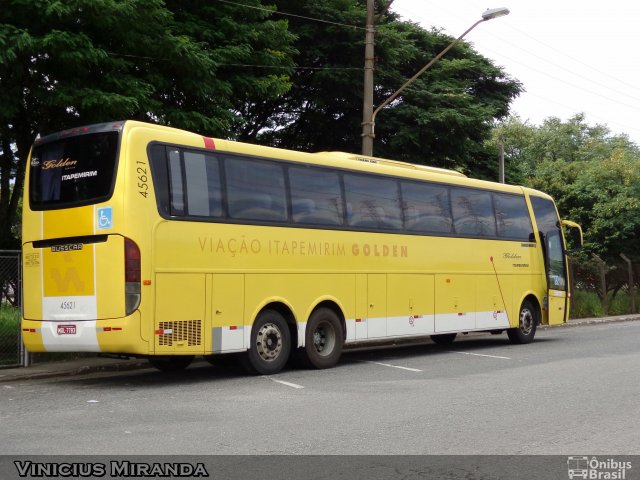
95	364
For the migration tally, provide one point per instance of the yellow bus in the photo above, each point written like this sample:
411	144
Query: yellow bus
150	241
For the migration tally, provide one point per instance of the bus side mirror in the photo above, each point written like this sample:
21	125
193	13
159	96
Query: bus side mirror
574	234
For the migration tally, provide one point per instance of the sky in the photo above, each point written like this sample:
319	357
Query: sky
572	56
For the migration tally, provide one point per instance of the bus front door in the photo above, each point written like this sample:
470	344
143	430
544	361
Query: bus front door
556	278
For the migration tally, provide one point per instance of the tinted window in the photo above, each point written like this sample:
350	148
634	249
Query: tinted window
426	208
256	190
187	183
316	196
372	202
202	175
473	212
175	183
512	217
556	276
78	170
545	212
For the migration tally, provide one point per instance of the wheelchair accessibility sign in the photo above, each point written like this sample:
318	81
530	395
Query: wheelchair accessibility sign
105	218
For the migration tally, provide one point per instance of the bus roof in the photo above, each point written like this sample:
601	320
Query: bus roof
393	163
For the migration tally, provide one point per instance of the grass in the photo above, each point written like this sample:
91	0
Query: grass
9	320
9	335
588	304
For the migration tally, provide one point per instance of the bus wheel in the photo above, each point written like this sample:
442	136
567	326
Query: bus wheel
174	363
527	322
323	341
444	338
270	344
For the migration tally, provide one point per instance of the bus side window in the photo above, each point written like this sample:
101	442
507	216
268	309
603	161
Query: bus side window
175	183
473	212
316	197
426	208
255	190
375	202
204	194
512	217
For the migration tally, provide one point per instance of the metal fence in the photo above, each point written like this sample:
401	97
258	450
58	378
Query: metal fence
12	351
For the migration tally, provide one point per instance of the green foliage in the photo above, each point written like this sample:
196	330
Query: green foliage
588	305
441	120
64	64
594	177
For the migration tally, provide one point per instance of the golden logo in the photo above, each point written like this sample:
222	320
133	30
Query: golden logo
63	162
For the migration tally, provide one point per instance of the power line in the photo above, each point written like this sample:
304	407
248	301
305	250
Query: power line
275	12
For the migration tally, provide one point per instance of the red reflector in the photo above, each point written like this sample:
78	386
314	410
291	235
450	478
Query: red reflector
106	329
233	327
358	320
209	143
32	330
25	329
116	328
159	332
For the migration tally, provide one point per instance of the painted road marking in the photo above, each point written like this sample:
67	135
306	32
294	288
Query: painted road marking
392	366
480	355
288	384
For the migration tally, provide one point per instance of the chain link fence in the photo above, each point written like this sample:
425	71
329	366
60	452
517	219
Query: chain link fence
12	352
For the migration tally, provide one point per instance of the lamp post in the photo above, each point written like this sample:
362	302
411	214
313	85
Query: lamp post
369	122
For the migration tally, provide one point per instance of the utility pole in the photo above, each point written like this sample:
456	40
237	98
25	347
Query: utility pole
367	108
501	159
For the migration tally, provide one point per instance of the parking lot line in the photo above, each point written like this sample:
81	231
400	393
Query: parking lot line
480	355
392	366
288	384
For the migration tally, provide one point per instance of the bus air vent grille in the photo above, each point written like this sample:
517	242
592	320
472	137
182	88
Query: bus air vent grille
189	331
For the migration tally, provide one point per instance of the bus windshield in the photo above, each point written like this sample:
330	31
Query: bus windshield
73	171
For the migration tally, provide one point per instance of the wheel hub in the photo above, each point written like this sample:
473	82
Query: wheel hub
526	321
269	342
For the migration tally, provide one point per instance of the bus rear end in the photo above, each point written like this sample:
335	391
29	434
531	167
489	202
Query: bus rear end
81	275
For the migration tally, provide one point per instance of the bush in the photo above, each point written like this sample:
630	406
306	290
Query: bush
586	305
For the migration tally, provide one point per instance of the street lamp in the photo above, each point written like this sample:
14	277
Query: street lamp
368	125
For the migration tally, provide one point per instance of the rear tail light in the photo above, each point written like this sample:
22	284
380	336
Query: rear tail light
131	275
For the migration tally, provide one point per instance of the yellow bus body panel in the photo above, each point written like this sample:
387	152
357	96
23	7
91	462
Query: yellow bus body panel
204	283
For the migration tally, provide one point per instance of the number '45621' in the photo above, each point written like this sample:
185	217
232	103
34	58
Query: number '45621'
143	179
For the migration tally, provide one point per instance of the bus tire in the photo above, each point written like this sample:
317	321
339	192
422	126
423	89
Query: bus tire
173	363
270	344
324	339
527	322
444	338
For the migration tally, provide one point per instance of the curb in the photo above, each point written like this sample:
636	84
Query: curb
106	364
594	321
70	371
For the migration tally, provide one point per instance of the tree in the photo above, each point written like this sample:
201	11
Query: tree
64	64
441	120
593	175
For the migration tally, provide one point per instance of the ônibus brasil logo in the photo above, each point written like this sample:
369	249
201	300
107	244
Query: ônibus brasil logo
597	468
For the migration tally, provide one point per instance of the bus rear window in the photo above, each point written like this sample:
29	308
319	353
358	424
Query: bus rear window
74	171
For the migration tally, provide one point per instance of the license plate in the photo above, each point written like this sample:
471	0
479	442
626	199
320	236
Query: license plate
66	330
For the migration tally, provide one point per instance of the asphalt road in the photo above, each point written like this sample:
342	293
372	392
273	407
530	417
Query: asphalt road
574	391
